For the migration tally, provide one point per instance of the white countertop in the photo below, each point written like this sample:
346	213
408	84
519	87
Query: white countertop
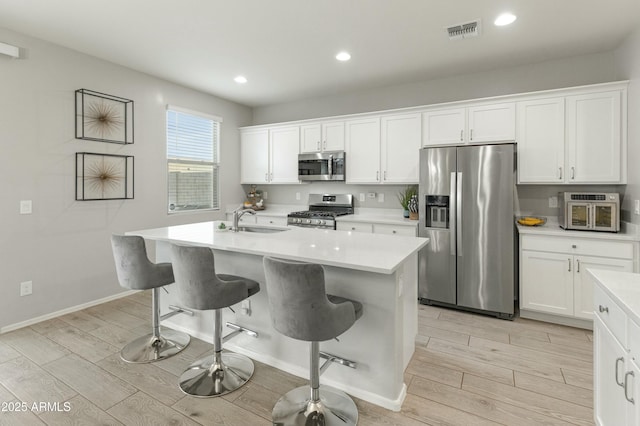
552	227
281	210
383	216
623	287
354	250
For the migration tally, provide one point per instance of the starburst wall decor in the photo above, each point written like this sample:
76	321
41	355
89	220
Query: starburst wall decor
103	176
104	118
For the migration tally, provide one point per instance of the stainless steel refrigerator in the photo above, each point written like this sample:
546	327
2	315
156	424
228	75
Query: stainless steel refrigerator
466	199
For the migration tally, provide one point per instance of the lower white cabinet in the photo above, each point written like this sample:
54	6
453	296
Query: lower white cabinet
271	220
553	277
377	228
616	375
355	227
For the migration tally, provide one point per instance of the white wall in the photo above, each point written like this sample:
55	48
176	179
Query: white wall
627	58
574	71
64	246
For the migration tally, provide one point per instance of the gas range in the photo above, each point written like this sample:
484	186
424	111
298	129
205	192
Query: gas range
323	210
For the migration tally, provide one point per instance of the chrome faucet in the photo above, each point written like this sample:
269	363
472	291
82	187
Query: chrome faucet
237	214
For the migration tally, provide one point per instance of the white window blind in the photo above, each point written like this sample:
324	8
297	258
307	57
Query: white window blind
192	161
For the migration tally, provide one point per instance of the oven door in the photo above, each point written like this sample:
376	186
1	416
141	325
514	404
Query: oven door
578	215
604	217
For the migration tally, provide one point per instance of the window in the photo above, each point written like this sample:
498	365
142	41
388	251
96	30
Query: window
192	160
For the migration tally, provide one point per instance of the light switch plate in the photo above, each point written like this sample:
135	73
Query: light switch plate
381	197
298	196
553	202
265	195
26	207
26	288
371	194
361	197
636	207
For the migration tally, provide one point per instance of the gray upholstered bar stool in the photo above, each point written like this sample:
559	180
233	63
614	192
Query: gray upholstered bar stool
136	272
301	309
201	288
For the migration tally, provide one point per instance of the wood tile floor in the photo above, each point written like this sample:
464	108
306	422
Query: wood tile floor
467	370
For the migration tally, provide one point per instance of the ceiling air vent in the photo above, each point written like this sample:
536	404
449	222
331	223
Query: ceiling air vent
462	31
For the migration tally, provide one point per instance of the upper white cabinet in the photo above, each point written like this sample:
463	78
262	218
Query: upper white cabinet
572	139
269	155
594	138
320	137
401	148
473	124
363	150
383	150
541	141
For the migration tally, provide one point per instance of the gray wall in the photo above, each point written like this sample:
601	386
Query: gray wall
574	71
627	58
63	247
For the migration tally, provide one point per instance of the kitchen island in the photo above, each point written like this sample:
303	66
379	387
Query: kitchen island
380	271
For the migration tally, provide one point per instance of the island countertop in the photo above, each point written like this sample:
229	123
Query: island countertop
353	250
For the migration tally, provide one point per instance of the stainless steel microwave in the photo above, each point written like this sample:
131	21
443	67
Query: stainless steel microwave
321	166
590	211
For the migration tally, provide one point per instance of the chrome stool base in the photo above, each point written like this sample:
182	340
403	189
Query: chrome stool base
296	408
209	377
150	348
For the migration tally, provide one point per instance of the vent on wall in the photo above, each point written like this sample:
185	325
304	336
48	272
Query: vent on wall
462	31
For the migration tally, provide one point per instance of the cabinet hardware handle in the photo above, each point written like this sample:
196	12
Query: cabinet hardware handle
471	135
569	261
560	168
266	177
461	133
573	172
353	228
603	308
621	384
378	175
626	395
271	176
385	175
394	231
578	265
574	246
318	145
325	144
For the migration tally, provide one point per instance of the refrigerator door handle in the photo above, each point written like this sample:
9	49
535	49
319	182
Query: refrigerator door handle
458	212
452	209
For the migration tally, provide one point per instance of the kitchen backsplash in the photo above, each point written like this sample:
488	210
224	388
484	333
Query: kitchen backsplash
530	199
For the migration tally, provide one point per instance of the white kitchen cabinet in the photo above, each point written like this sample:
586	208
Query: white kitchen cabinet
553	277
254	156
594	138
541	141
400	148
610	357
388	229
474	124
269	155
318	137
262	219
354	226
362	142
572	140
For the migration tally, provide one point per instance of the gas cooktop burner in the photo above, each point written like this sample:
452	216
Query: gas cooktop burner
316	214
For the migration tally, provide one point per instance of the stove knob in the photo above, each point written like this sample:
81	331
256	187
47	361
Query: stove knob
321	222
298	220
308	221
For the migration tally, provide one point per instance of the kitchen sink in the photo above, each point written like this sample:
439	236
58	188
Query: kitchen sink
261	229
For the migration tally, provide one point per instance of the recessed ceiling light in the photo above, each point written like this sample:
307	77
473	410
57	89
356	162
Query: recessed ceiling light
240	79
505	19
343	56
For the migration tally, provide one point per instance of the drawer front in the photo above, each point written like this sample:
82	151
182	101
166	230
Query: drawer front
271	220
394	229
578	246
611	314
633	338
354	226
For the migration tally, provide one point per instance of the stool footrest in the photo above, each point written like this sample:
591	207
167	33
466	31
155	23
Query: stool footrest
237	329
334	358
176	310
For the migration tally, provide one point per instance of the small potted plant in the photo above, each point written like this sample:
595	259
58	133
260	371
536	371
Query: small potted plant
405	198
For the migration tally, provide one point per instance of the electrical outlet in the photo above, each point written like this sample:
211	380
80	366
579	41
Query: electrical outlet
553	202
26	288
381	197
26	207
636	207
362	197
298	196
371	194
265	195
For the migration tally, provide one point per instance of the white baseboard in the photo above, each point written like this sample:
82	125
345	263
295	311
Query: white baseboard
557	319
76	308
